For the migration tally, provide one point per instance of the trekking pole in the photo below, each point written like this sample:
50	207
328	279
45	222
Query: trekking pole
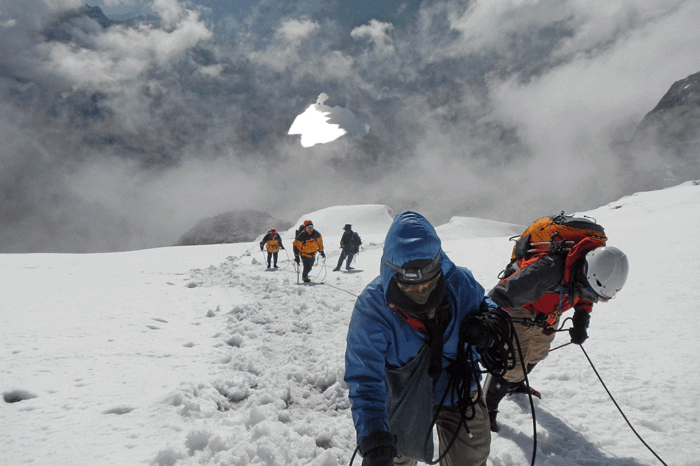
565	344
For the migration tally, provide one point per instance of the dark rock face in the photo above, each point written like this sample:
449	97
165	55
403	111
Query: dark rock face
670	134
232	227
674	124
63	29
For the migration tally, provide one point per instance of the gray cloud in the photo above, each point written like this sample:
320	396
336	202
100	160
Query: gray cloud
123	137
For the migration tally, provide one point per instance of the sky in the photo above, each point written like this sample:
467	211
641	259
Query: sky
124	137
200	355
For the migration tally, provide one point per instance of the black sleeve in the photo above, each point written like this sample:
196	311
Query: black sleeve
528	285
279	238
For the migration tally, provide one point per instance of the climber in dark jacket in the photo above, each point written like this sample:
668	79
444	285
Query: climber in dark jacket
350	245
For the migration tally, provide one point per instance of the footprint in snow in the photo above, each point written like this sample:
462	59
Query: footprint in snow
15	396
119	410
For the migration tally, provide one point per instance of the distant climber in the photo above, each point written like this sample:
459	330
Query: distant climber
306	244
273	243
350	245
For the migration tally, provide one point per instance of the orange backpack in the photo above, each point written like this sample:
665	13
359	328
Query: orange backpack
555	234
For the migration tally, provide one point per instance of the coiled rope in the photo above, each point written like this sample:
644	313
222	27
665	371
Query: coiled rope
497	359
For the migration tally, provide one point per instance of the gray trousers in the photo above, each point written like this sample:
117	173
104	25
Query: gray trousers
465	451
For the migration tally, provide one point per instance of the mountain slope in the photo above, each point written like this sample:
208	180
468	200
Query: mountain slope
200	356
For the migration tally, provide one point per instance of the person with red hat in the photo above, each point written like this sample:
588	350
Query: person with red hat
274	244
307	243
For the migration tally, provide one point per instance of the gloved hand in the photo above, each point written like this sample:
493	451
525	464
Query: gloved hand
282	248
261	247
378	449
323	254
578	332
475	332
480	329
296	259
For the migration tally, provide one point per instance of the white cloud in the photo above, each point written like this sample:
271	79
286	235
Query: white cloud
593	92
170	11
295	30
600	24
337	66
377	33
289	38
569	115
486	24
119	55
113	3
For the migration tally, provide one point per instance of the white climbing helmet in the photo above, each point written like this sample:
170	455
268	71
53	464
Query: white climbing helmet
606	270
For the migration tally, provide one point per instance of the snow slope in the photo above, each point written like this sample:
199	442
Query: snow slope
200	356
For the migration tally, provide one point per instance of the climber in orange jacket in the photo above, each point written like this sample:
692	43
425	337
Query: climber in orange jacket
306	244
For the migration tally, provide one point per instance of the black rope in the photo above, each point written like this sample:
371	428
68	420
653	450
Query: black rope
354	454
500	358
619	409
340	289
497	359
529	393
462	374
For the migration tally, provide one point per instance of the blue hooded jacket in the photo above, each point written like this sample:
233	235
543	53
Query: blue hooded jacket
378	337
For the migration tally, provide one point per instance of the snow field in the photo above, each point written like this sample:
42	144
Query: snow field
201	356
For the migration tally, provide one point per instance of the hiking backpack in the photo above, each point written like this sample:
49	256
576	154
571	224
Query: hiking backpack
353	244
555	234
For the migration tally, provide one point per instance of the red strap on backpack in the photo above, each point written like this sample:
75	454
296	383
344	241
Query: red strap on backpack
579	250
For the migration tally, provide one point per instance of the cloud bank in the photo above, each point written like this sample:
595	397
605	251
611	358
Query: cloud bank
122	137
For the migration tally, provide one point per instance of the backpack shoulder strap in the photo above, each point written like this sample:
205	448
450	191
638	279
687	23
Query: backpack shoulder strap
579	250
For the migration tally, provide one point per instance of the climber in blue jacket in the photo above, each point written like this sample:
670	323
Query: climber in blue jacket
407	329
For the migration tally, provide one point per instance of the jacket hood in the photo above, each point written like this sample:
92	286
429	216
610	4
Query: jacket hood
410	237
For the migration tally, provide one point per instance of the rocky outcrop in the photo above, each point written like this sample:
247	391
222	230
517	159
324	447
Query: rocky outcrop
232	227
675	121
665	148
